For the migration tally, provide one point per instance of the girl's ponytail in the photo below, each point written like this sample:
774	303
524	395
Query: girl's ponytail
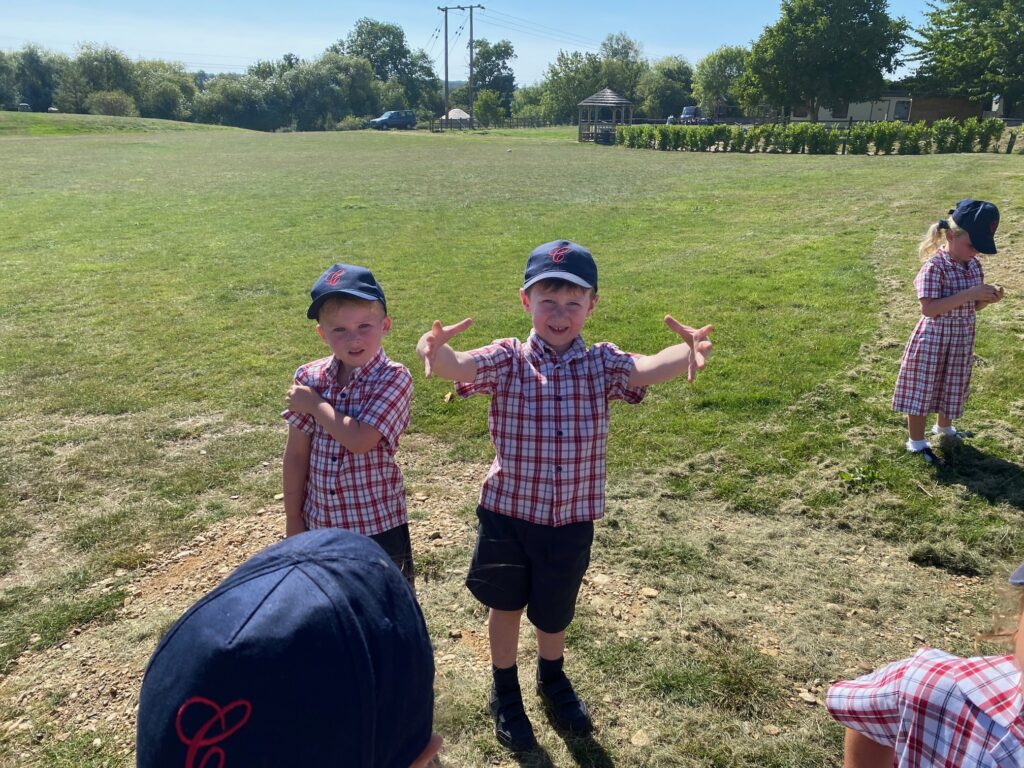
932	240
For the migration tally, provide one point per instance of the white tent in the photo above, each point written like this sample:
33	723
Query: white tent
457	114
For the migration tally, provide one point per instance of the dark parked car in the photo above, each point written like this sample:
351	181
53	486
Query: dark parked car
396	118
693	116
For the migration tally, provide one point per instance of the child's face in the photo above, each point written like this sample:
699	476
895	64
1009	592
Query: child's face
353	331
558	314
958	243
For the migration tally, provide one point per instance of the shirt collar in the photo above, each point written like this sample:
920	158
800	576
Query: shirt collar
993	685
377	361
538	350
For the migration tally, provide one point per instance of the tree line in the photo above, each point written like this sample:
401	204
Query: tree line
820	53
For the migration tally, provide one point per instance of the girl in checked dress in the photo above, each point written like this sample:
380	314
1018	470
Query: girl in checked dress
935	373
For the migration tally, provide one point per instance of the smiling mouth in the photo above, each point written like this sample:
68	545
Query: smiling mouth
555	329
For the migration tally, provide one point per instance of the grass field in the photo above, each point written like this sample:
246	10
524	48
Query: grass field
153	288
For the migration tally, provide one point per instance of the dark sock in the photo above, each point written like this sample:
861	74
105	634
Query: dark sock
506	680
549	671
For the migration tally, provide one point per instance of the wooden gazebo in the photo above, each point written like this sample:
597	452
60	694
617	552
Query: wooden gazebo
600	113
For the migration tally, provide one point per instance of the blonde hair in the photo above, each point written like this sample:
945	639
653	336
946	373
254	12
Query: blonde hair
934	238
334	301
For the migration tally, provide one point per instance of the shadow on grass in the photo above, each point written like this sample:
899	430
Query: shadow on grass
587	752
995	480
537	757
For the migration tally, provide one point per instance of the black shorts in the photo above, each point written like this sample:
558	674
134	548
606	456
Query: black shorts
540	567
399	548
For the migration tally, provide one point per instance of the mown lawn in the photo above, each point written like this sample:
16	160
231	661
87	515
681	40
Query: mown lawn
153	287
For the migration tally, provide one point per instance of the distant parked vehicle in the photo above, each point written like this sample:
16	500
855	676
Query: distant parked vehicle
396	118
671	120
693	116
24	107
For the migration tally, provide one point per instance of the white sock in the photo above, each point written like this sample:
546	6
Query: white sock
937	430
916	445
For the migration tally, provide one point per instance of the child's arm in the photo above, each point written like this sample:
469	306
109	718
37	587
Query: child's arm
295	470
690	356
861	752
441	360
982	295
354	435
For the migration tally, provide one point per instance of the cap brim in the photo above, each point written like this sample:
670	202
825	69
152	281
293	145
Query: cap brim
567	276
314	308
1017	577
987	245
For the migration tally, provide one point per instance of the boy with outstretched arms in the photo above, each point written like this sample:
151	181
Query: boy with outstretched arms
549	425
345	415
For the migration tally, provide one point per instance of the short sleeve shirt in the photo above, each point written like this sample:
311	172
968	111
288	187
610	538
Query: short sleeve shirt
360	492
938	710
940	276
549	424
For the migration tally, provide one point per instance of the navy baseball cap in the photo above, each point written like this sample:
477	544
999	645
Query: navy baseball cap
980	220
562	259
1017	578
313	652
345	279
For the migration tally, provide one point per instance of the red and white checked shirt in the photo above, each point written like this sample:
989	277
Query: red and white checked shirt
360	492
549	425
938	710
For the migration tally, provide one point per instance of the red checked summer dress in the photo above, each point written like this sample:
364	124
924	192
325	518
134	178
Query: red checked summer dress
935	373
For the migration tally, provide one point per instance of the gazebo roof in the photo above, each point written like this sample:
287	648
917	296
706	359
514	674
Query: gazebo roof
605	98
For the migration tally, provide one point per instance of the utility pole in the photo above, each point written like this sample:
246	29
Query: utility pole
444	10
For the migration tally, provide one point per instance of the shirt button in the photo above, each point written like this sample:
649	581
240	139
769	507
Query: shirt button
334	458
559	398
559	433
332	493
557	469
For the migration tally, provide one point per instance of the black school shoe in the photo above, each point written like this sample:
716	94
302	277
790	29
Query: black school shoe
511	725
564	707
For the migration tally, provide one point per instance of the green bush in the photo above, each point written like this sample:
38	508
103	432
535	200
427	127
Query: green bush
737	139
916	139
989	134
969	130
352	123
858	139
663	137
114	103
946	135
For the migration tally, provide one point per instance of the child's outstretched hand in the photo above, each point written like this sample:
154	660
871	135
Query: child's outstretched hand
698	342
435	338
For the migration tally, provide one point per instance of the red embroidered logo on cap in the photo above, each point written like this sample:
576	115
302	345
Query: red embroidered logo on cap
558	254
203	739
335	277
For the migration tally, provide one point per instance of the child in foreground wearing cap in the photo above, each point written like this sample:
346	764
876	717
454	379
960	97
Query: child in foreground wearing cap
935	373
549	425
937	710
313	652
345	415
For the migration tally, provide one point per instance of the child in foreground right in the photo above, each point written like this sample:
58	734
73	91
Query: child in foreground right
549	425
937	710
935	373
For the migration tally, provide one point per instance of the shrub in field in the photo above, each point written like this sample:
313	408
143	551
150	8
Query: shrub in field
990	132
858	139
663	137
352	123
737	139
620	134
114	103
821	140
946	135
752	138
649	136
969	130
916	139
885	135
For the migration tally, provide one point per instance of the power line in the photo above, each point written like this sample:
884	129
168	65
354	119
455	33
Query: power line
530	27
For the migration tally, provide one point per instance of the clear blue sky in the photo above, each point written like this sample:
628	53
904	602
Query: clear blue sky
228	36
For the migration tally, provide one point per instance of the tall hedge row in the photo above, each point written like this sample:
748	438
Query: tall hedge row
883	138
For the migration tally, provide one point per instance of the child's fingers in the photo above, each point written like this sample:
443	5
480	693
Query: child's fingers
451	331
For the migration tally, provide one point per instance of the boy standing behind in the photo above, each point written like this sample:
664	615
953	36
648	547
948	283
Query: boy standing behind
549	425
345	415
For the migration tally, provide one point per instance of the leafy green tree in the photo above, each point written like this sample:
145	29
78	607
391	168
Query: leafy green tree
72	95
243	101
973	48
823	53
8	81
570	79
666	87
491	70
487	108
381	44
106	69
422	85
114	103
623	65
391	94
37	75
526	102
714	80
166	90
